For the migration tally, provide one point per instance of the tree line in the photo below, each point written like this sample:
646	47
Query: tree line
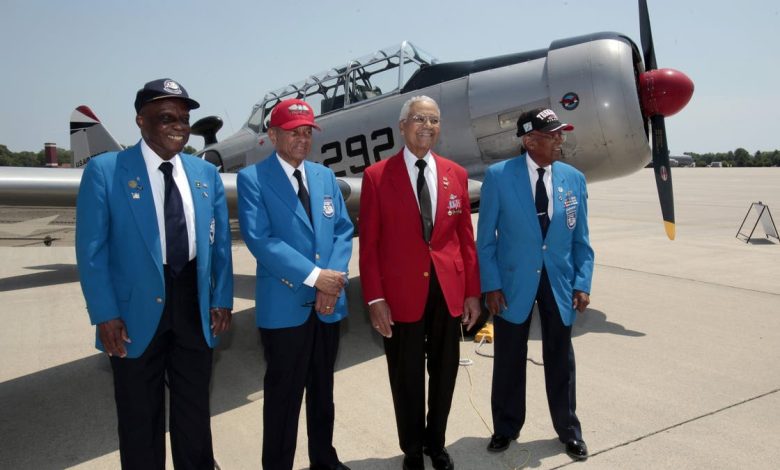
25	158
739	157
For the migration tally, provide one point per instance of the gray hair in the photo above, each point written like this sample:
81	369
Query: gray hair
415	99
523	146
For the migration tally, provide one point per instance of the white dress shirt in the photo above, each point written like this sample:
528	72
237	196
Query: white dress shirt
533	175
157	180
289	170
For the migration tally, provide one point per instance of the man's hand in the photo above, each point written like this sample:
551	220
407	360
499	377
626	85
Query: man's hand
325	303
220	320
381	319
495	301
113	335
330	282
470	312
580	301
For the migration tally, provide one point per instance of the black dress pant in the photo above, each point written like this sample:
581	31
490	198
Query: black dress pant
509	370
298	358
434	337
178	351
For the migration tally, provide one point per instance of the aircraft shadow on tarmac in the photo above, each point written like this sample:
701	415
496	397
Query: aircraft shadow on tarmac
65	415
47	275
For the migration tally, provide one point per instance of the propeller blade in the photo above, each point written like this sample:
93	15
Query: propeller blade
663	174
648	50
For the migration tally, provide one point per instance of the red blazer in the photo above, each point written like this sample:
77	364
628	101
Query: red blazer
395	260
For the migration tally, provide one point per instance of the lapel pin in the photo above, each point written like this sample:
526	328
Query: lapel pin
445	182
136	195
132	184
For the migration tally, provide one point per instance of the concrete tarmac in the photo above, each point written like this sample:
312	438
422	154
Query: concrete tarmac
677	356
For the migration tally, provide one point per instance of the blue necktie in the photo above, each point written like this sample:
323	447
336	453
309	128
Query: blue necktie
177	247
541	203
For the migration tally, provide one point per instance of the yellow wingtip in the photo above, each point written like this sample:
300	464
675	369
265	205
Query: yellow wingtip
669	227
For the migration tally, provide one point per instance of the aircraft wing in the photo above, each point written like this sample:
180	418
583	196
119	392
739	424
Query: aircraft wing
58	187
25	186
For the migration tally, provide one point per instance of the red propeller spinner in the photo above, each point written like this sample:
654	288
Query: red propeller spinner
664	92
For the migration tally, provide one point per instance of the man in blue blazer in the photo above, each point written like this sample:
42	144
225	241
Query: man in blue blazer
533	246
153	252
294	221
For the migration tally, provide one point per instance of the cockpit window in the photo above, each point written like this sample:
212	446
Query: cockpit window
363	79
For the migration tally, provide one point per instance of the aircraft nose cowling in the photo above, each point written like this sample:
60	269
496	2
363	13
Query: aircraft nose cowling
664	92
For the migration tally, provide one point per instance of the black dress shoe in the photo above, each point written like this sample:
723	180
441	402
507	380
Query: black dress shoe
414	462
440	459
499	443
577	449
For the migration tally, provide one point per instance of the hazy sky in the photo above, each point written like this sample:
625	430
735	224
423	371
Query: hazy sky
56	55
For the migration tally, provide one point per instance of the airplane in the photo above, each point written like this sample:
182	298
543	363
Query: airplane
682	161
602	83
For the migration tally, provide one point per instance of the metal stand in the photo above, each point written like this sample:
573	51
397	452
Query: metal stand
762	215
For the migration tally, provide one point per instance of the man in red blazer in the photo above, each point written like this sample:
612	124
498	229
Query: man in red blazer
420	277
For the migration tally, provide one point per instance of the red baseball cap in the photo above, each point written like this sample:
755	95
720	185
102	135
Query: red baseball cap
291	113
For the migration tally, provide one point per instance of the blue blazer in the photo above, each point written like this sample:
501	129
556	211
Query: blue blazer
510	245
287	247
118	244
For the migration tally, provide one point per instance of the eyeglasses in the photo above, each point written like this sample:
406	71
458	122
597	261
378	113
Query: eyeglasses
420	119
551	135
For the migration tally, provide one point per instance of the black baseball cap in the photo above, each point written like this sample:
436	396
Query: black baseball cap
162	88
540	119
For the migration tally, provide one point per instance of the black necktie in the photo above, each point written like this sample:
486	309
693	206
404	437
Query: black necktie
303	195
424	196
177	248
541	202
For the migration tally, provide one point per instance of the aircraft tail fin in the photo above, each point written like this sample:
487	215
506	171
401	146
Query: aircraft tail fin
88	137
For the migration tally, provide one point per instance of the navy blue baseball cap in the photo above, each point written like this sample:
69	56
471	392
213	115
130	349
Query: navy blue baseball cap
162	88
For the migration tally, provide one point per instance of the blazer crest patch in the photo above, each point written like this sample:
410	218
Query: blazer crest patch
328	210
